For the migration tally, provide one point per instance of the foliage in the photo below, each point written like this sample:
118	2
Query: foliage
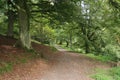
112	74
96	30
44	34
3	25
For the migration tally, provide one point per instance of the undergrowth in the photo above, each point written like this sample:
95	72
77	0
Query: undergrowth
100	57
111	74
5	67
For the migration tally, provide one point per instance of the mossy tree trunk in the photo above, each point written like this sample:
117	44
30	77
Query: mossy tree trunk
24	24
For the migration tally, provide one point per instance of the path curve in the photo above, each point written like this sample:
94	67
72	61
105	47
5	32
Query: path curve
61	65
72	66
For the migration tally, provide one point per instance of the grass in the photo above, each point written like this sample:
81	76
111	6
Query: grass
111	74
115	73
21	60
5	67
100	57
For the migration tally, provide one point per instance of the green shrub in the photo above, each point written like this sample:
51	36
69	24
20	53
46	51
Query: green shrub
113	51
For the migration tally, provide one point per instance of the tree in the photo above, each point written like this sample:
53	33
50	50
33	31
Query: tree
11	18
24	24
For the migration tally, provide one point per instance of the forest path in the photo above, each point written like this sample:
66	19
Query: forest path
72	66
61	65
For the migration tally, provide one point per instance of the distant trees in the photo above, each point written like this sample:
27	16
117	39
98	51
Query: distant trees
97	27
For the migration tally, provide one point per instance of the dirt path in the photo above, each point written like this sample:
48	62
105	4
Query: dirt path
71	66
62	65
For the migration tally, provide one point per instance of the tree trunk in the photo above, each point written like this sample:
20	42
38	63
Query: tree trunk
67	43
87	50
86	43
70	39
10	19
10	24
23	18
60	42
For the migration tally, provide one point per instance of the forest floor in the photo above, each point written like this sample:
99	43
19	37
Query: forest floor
57	65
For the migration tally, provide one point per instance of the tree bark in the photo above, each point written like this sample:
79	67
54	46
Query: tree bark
70	40
23	18
67	43
60	42
10	19
83	29
87	50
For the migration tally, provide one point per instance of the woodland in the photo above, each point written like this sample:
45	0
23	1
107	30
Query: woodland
90	27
